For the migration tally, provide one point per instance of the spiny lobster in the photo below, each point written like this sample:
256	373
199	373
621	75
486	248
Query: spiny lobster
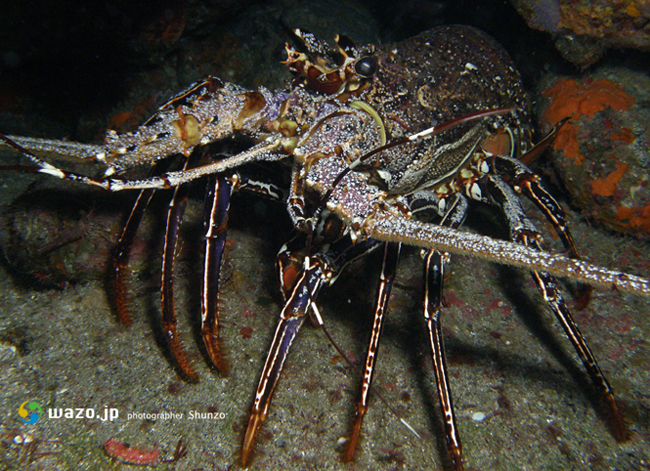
386	147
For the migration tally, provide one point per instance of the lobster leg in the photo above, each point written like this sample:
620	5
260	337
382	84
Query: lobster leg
296	200
552	295
434	273
434	267
523	231
215	222
306	282
174	217
388	270
122	251
292	317
217	203
525	181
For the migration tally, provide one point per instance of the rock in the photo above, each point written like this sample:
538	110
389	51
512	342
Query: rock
585	29
601	155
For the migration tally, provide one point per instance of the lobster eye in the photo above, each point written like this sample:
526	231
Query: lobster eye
366	66
281	53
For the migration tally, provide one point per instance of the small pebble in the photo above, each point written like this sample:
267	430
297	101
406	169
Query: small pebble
478	416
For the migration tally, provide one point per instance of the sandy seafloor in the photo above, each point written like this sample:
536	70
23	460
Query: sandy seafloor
520	396
507	360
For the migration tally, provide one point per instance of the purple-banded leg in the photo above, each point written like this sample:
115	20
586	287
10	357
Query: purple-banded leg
388	270
524	181
434	273
434	268
174	218
215	222
220	191
300	283
122	252
524	232
552	295
292	317
121	257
